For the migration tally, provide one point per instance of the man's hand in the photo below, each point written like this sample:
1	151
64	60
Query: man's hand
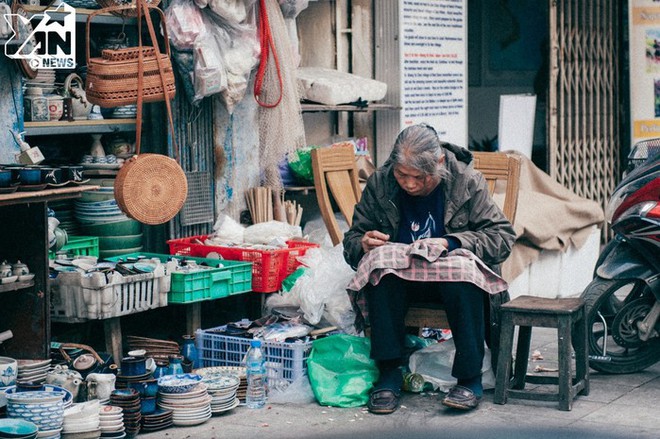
373	239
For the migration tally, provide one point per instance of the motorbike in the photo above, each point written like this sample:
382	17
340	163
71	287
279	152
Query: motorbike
623	299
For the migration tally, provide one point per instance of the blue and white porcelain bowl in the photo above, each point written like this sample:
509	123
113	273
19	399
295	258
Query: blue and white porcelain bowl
47	415
181	383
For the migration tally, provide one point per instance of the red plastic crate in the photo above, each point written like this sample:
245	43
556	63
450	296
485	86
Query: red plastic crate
269	267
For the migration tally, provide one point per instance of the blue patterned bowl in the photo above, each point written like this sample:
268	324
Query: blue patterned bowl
181	383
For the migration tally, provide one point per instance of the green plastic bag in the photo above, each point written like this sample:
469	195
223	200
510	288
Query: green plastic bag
300	163
340	370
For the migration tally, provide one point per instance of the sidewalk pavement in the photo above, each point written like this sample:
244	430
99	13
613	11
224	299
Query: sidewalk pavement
618	406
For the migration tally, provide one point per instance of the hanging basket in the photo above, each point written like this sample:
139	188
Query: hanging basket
151	188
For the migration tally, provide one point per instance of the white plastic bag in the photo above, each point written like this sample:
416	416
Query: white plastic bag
184	23
434	363
322	289
271	232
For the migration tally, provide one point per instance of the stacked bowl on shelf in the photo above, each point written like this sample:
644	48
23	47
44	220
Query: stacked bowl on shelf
98	215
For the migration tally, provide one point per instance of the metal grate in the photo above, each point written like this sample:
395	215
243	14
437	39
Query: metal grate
584	114
198	207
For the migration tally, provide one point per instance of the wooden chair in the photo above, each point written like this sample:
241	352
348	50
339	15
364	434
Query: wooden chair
335	172
502	173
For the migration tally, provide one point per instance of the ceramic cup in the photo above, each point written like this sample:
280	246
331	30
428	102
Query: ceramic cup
30	175
5	177
8	371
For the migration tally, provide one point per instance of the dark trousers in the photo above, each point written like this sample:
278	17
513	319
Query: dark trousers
464	303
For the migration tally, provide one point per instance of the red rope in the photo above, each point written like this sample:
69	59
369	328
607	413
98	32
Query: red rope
267	47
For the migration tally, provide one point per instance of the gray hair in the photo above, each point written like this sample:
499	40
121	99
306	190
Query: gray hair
419	147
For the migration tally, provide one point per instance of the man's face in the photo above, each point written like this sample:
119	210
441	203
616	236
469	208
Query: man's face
415	182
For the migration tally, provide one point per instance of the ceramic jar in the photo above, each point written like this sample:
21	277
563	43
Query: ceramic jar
36	105
176	366
189	352
5	269
64	377
19	269
100	385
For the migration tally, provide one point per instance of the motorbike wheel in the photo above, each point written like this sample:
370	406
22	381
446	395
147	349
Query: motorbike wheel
605	299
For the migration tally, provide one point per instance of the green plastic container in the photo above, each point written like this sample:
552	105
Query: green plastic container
79	246
212	282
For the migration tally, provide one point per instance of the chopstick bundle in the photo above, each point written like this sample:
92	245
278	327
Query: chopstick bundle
293	212
260	204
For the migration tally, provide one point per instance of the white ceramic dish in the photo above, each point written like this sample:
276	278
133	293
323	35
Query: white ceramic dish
8	279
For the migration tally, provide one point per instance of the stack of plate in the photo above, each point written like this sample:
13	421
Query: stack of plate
129	401
124	112
45	80
92	214
222	389
188	408
155	348
124	381
112	422
33	371
65	214
237	371
18	429
157	420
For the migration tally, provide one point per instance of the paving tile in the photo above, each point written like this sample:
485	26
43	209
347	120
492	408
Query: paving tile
638	415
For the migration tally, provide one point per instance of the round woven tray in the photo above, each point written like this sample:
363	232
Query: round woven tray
151	188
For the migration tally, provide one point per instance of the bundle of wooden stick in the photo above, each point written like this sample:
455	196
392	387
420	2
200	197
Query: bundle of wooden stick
293	212
260	203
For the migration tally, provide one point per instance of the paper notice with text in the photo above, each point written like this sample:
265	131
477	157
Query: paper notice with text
434	66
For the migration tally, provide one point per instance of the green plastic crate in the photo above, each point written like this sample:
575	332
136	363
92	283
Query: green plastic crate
234	277
79	246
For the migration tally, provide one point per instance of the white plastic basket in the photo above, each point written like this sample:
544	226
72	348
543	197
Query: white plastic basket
76	297
287	361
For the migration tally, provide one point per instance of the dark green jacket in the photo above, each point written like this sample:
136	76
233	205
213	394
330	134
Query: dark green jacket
471	215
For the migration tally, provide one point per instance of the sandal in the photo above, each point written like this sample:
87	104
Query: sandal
383	402
461	398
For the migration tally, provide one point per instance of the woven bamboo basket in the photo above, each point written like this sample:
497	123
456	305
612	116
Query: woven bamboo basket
114	83
112	78
151	188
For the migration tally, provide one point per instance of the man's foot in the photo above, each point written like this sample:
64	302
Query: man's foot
383	401
461	398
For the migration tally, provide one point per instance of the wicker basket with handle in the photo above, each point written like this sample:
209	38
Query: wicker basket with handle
151	188
112	78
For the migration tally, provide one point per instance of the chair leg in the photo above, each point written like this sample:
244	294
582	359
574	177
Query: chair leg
580	340
504	360
522	357
565	369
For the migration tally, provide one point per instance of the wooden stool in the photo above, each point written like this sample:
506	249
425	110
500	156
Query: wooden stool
564	314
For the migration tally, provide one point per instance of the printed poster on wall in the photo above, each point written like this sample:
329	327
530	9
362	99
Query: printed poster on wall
434	66
644	69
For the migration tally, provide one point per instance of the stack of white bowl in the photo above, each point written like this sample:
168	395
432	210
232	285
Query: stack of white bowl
112	421
82	418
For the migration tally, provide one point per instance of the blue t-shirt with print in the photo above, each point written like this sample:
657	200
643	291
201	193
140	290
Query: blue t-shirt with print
423	217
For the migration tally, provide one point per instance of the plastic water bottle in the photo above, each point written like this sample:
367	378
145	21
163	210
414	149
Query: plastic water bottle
256	376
